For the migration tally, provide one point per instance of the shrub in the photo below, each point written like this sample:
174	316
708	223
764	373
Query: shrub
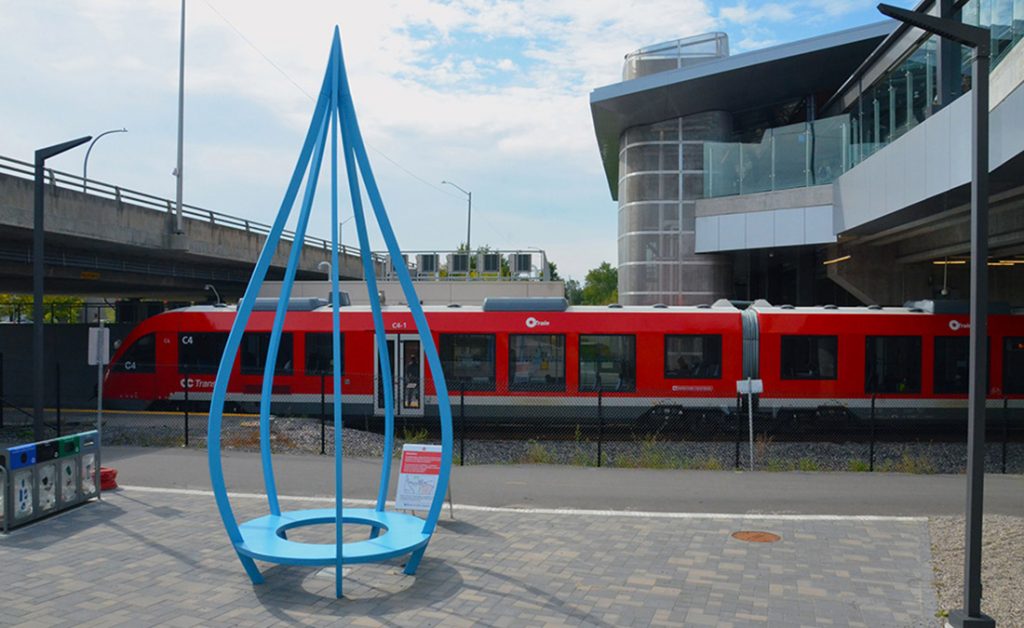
808	464
908	464
537	454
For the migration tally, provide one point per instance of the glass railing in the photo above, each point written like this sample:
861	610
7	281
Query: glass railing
675	54
794	156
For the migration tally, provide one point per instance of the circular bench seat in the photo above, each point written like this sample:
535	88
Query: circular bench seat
264	538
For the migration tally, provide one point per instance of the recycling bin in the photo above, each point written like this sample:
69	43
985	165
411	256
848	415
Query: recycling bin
67	464
89	455
46	475
21	461
42	478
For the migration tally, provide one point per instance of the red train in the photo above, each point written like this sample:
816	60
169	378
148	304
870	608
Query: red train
516	358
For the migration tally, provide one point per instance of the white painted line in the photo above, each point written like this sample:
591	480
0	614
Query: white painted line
576	512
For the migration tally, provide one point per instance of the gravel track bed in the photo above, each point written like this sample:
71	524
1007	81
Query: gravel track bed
1002	574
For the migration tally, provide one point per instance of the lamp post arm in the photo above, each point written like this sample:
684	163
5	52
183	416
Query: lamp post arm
85	163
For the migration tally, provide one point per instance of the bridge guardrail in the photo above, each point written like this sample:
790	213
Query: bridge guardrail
120	194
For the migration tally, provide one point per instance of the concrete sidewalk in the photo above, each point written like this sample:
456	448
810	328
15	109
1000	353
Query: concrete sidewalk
160	557
562	486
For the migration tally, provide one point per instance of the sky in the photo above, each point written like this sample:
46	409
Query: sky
492	95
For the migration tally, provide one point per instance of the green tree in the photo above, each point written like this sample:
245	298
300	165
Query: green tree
601	285
56	309
573	292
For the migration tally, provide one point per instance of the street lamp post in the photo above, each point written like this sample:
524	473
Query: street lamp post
178	223
37	279
85	163
469	218
980	40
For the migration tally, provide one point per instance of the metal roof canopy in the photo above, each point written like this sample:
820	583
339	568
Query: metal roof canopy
737	83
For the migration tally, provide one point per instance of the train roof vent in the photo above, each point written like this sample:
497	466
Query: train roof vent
954	307
297	304
703	306
617	306
874	306
726	303
786	306
660	306
454	305
220	304
831	306
762	303
525	304
344	299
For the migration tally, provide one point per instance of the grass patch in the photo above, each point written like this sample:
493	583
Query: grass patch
707	463
537	453
858	466
908	464
808	464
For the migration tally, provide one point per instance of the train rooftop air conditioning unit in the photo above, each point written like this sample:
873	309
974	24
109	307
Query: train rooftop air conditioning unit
458	263
490	263
521	263
426	264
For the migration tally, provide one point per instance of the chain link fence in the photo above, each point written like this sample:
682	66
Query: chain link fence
551	426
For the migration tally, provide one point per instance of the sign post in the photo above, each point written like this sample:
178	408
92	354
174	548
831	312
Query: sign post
99	354
750	387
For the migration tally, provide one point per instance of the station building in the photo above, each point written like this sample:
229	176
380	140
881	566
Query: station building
834	169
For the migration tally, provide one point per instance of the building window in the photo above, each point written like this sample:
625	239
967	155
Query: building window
200	352
320	353
254	354
809	357
140	357
892	364
468	361
536	362
607	363
693	357
1013	365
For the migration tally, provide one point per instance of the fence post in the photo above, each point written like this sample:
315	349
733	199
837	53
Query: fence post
462	425
600	424
3	399
323	415
1006	430
188	384
871	453
58	399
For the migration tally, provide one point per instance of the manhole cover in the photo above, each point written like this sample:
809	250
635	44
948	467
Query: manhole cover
755	536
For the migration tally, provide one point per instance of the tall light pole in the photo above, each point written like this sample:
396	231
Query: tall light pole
178	226
85	163
980	40
469	217
37	280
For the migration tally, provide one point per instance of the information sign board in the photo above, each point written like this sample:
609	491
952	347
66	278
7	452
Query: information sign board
417	476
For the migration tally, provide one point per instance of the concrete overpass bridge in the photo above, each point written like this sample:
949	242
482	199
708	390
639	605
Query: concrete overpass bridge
103	239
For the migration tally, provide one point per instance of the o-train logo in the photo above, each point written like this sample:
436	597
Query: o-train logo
532	322
956	325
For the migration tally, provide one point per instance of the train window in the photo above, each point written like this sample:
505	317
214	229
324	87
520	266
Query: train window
809	357
254	354
892	364
320	353
952	372
1013	365
693	357
607	363
468	361
140	357
200	352
536	362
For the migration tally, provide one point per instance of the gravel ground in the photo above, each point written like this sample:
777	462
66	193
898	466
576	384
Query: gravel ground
1002	573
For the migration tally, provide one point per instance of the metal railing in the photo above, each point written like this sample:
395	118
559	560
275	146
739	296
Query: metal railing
118	194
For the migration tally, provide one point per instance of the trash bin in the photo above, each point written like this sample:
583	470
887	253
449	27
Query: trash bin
89	454
46	474
68	465
39	479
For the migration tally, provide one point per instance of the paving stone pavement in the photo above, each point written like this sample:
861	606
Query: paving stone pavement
161	558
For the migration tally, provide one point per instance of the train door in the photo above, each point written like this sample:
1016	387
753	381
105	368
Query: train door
406	358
